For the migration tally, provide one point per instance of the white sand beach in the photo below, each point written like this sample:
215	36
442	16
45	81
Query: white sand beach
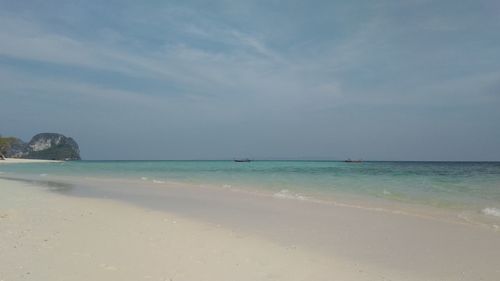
47	235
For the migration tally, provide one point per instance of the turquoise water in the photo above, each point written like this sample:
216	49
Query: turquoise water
441	184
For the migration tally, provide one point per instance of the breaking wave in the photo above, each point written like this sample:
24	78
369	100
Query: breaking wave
286	194
491	212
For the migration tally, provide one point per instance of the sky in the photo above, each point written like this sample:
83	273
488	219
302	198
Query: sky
376	80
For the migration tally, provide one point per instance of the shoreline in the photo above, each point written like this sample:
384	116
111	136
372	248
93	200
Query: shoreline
23	161
476	217
389	244
48	236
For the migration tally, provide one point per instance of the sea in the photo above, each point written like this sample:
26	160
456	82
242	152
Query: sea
464	187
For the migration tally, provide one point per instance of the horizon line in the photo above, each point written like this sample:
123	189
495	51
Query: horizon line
288	159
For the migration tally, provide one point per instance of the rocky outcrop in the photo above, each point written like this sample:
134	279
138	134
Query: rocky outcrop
12	147
54	147
49	146
17	148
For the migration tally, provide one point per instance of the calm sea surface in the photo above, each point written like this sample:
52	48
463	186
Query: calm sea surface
469	185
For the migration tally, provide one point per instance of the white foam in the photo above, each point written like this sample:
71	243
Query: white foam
491	212
286	194
226	186
44	175
157	181
144	178
385	192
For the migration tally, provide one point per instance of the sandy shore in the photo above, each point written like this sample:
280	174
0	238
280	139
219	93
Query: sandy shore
49	236
56	228
20	161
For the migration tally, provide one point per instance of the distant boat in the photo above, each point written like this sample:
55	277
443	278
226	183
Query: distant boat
242	160
353	161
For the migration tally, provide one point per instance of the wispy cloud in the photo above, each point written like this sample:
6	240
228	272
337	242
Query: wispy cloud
248	69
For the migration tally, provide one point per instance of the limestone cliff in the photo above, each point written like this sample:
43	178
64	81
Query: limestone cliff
43	146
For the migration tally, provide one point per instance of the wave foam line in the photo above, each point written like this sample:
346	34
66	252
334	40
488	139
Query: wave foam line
491	211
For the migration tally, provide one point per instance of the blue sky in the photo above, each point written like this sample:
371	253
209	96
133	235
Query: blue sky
388	80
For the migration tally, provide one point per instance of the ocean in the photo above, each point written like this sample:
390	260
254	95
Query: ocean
472	187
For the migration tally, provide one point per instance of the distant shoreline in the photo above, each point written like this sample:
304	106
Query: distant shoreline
296	160
20	161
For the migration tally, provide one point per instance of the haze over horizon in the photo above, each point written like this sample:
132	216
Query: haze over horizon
377	80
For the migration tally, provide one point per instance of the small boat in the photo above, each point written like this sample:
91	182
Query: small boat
242	160
353	161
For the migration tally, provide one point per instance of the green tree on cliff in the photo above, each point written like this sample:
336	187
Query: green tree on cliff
5	145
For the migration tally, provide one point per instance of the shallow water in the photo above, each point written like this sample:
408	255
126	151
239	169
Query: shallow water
463	186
